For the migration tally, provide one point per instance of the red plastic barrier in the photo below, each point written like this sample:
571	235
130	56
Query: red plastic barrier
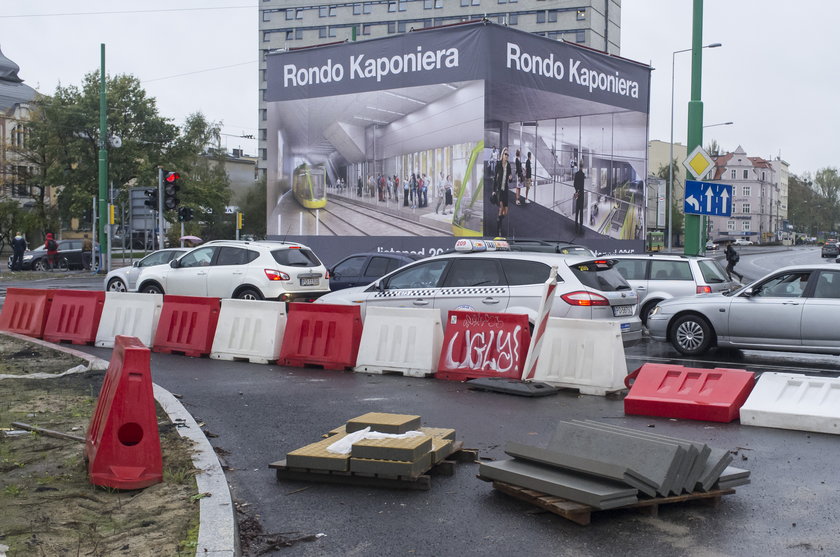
321	334
478	344
74	316
25	311
672	391
187	325
123	444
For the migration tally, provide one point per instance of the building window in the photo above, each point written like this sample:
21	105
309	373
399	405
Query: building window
580	36
580	15
730	225
401	26
745	208
732	174
746	191
290	14
746	174
552	16
402	6
266	36
264	114
290	35
266	16
438	4
392	7
322	32
513	19
745	226
298	34
502	1
357	9
392	27
763	175
540	16
366	29
428	4
476	2
323	11
367	8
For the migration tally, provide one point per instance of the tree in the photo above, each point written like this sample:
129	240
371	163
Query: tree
676	203
713	148
253	204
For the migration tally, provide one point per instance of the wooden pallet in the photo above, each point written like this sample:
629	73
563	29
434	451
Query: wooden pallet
422	482
580	513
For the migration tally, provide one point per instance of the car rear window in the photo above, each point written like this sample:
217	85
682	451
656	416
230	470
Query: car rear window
600	276
295	257
670	270
712	271
520	271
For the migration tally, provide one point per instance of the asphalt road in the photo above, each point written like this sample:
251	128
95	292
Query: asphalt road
255	414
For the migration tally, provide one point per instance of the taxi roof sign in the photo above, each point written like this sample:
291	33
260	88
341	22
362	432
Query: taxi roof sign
465	245
699	163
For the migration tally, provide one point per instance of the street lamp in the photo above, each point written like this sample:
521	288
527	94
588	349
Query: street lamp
671	150
720	124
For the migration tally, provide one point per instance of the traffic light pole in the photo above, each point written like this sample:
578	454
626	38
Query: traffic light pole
103	153
161	217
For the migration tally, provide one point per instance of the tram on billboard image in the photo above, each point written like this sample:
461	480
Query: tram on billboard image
309	186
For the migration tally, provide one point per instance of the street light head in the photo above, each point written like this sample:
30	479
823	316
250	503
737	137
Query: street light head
714	45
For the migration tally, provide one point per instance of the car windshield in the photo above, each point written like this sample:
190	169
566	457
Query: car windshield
295	257
600	275
712	271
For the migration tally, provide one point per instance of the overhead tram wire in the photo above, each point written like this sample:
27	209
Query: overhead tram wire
131	11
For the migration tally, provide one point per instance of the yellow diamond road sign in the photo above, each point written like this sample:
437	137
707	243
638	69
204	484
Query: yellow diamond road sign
699	163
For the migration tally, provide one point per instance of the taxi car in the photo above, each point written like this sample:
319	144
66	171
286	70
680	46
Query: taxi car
486	276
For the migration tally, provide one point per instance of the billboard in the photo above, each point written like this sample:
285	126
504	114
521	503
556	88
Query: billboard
391	141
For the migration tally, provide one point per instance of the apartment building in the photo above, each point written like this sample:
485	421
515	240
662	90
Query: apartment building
15	97
289	24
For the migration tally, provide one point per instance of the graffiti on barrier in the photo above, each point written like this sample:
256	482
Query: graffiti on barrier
496	350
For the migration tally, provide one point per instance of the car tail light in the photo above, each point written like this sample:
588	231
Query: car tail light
704	289
274	274
583	298
327	275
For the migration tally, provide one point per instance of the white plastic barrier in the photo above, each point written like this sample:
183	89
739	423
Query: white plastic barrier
400	340
582	354
249	330
130	314
790	401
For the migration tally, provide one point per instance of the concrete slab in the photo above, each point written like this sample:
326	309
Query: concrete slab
717	462
392	468
409	449
575	463
441	432
441	449
733	477
598	493
316	456
384	422
652	459
692	465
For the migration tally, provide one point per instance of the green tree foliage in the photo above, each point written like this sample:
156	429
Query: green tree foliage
814	203
676	204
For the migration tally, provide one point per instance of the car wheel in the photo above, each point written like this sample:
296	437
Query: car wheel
152	288
249	294
40	265
116	285
646	309
691	335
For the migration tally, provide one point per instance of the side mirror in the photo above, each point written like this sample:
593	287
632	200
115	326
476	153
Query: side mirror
136	263
380	286
174	264
751	291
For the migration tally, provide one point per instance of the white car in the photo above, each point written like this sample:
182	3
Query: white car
741	242
504	282
124	279
284	271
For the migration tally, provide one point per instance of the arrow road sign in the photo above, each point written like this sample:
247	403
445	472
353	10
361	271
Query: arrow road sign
708	198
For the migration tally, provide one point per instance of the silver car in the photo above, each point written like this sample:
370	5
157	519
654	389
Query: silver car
793	309
504	282
658	277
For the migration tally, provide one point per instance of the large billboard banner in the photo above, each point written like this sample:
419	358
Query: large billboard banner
399	137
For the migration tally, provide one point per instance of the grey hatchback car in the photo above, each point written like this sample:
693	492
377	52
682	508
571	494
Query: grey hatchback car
658	277
793	309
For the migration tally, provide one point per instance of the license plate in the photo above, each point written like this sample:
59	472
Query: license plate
623	311
625	326
309	281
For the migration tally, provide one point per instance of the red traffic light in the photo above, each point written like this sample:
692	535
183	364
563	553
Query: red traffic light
171	177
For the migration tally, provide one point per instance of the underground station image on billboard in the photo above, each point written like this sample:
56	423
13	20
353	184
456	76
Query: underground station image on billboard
402	136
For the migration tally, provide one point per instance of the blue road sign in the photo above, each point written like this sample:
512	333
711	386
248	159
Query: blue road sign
708	198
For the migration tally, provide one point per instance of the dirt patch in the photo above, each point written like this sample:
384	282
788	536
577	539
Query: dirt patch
18	357
49	507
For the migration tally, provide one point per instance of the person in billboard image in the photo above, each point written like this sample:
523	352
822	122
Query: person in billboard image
447	194
528	175
439	193
519	176
580	177
501	187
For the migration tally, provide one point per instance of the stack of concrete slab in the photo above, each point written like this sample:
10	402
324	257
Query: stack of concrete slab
389	457
607	466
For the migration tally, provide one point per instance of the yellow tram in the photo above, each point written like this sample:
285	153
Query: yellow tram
309	186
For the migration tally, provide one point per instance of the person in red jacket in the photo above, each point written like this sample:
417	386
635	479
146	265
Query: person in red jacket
52	251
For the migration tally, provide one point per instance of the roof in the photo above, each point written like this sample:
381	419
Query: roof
12	89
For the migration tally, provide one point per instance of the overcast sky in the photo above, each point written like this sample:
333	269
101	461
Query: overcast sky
776	75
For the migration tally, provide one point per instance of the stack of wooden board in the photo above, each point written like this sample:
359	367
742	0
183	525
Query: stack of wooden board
403	458
607	466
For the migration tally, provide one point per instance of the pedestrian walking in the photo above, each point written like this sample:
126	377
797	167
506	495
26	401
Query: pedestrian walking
520	177
528	176
52	251
87	252
580	178
18	248
501	188
447	194
732	259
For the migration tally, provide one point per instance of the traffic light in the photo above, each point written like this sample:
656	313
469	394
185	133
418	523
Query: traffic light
170	190
151	199
240	219
185	214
